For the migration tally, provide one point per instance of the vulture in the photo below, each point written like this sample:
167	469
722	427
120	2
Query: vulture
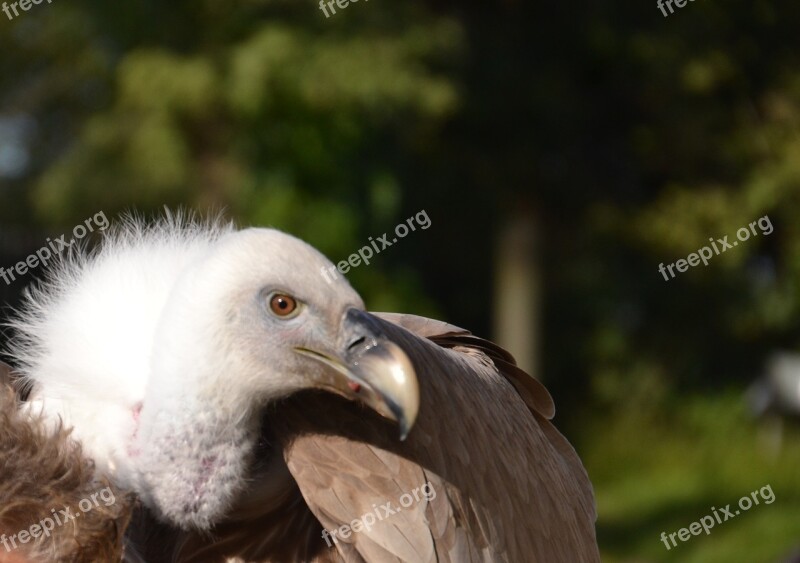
258	413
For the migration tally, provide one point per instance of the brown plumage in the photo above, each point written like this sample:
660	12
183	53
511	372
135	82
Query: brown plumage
43	471
502	483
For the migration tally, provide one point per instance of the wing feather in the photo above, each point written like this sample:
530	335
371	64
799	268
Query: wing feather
505	484
535	395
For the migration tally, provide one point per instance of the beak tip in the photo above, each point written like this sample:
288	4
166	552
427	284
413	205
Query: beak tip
405	416
390	373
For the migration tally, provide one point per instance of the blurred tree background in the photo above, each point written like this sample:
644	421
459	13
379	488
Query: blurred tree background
622	139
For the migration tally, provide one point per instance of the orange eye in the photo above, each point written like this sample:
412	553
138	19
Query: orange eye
282	305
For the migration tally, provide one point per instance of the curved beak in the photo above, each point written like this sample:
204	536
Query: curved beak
371	369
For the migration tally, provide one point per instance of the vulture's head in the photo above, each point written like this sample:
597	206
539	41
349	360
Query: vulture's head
230	326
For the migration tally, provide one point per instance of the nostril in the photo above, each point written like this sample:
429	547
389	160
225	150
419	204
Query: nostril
355	343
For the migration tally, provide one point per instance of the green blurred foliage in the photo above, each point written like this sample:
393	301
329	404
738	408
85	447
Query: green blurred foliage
659	470
277	121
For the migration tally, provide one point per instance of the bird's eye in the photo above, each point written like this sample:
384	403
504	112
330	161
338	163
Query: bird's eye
282	305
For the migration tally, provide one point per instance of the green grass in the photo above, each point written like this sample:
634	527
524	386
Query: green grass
661	469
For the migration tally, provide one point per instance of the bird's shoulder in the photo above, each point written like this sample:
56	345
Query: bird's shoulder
449	336
501	481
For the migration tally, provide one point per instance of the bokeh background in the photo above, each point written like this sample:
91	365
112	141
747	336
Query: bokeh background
562	151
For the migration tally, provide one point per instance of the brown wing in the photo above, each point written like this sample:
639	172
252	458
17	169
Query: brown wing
42	471
502	483
450	336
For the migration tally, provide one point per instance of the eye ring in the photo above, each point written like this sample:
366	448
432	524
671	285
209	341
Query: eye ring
283	305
